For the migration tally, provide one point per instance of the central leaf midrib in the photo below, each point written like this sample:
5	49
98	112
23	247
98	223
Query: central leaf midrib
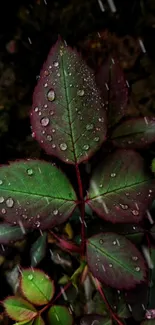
118	189
36	194
68	110
113	259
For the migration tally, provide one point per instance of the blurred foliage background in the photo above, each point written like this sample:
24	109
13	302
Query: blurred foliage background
29	28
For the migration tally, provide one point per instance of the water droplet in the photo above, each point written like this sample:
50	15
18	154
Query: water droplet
63	146
44	121
3	211
113	175
137	268
36	109
101	119
56	64
37	223
45	85
30	277
9	202
1	199
51	95
101	185
58	74
110	265
86	147
51	113
1	182
80	92
96	139
114	242
55	212
134	258
124	206
49	137
46	73
101	241
24	216
89	126
30	171
53	130
135	212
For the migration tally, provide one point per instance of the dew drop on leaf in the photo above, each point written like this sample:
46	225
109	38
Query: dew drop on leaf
63	146
56	64
89	126
49	137
124	206
134	258
135	212
44	121
86	147
101	119
1	182
55	212
36	109
30	277
114	242
110	265
1	199
9	202
101	241
113	175
96	139
30	171
3	211
137	268
80	92
51	95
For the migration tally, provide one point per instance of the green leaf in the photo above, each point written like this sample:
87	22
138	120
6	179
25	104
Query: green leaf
38	249
151	286
36	286
122	309
30	199
115	261
10	233
19	309
153	165
120	188
95	319
24	323
152	232
59	315
134	133
72	125
148	322
39	321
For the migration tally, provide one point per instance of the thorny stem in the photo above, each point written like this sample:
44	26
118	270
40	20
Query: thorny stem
113	315
58	296
82	205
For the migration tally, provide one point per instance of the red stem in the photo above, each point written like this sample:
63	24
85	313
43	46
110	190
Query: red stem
82	207
113	315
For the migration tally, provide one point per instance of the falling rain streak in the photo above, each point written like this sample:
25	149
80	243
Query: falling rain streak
101	5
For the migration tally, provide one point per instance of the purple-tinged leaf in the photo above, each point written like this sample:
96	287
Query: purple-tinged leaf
134	133
115	261
10	233
95	319
111	81
120	188
150	254
36	286
38	250
35	194
19	309
68	116
59	315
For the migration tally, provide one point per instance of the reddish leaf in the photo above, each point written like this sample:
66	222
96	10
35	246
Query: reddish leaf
120	188
35	194
134	133
115	261
68	116
19	309
110	79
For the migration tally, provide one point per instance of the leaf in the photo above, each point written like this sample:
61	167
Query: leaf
36	286
59	315
10	233
28	198
115	261
38	249
19	309
95	319
39	321
123	311
148	322
134	133
110	79
120	188
24	323
152	232
68	116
